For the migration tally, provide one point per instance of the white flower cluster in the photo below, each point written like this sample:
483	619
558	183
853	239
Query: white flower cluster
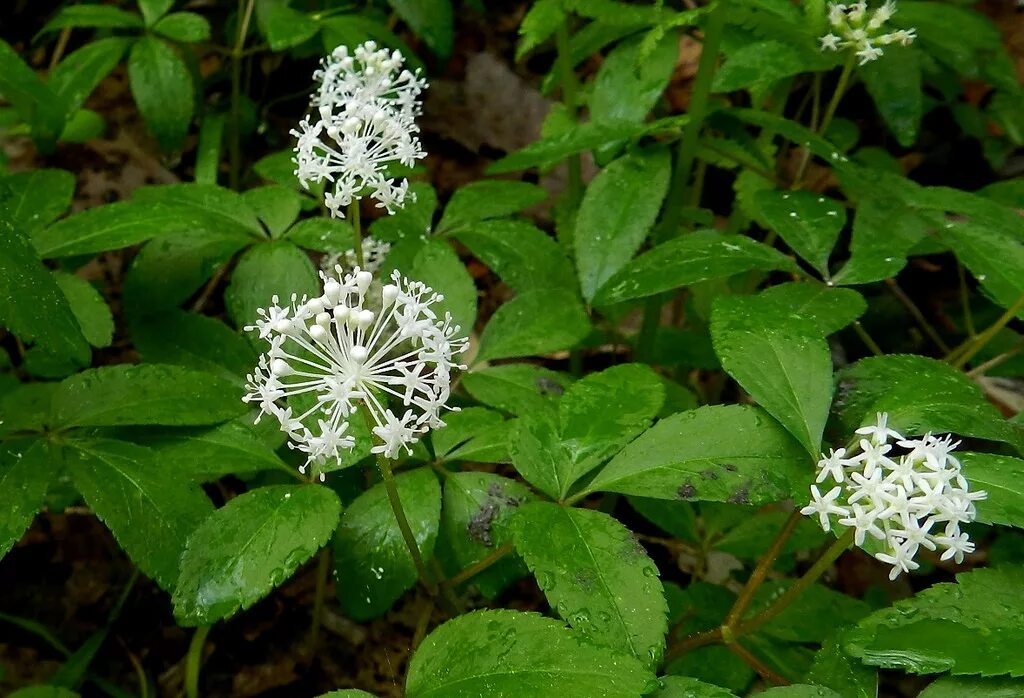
916	500
374	253
366	106
358	346
853	26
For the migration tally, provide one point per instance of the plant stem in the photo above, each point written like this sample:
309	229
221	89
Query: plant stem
871	344
648	336
698	111
830	112
353	217
403	524
810	577
757	665
194	660
322	569
245	8
479	566
567	78
916	313
966	351
981	369
764	565
965	301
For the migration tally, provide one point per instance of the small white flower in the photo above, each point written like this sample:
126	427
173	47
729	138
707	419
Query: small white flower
352	353
857	28
374	253
917	499
365	118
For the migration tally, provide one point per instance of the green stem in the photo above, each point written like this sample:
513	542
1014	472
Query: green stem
353	218
757	577
686	152
965	352
194	660
323	566
567	76
645	342
918	316
830	112
479	566
799	586
245	8
403	523
870	343
965	301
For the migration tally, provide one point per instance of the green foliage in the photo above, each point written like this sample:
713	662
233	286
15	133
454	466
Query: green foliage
249	546
26	468
372	566
510	652
596	577
964	628
162	86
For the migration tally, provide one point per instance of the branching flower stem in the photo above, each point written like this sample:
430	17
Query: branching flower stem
734	627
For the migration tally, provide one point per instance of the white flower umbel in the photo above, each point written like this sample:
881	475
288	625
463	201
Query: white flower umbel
359	346
364	119
374	253
914	500
859	29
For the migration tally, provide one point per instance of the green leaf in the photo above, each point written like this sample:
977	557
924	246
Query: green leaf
145	394
523	256
921	395
539	24
90	310
812	617
276	206
967	687
835	669
585	136
437	265
781	359
687	687
372	566
597	417
754	533
112	227
152	10
35	102
27	467
800	691
283	26
26	407
170	269
616	214
894	83
463	427
995	257
884	232
186	27
208	147
194	341
92	16
757	65
516	388
276	268
828	307
163	91
36	198
489	198
514	653
431	20
725	453
322	235
596	576
251	545
808	222
534	323
1003	478
475	518
151	510
209	454
224	210
687	260
971	627
75	77
35	308
628	84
